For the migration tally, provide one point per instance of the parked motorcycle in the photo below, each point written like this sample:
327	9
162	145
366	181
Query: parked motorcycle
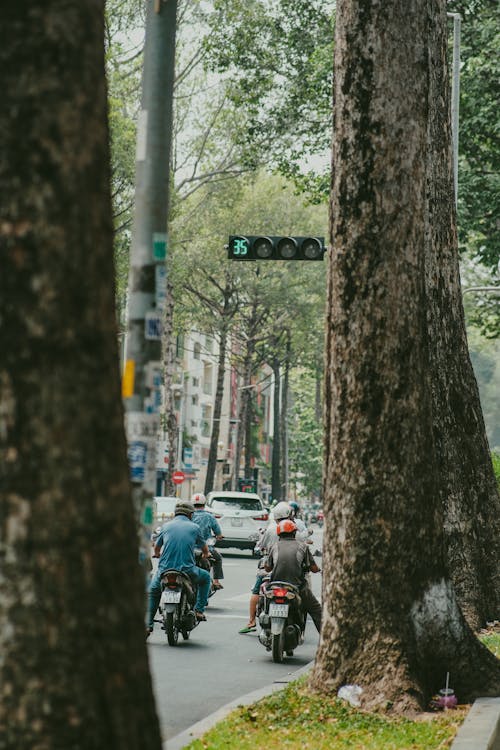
177	605
281	618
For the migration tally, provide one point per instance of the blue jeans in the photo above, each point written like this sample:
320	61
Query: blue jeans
198	575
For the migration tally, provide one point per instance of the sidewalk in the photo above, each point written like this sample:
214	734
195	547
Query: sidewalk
480	730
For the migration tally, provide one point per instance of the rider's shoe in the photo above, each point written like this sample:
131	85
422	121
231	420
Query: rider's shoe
200	616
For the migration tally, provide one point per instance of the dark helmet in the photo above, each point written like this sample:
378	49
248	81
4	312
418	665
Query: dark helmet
184	508
295	507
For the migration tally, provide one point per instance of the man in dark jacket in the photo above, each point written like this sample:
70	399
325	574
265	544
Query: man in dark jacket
289	561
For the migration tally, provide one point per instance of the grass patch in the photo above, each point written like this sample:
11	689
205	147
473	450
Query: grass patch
296	718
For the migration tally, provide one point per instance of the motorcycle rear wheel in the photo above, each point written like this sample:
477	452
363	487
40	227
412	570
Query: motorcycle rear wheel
278	644
171	628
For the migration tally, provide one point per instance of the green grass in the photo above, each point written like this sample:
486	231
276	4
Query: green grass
492	641
297	718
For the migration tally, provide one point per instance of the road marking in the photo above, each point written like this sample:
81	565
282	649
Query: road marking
226	617
239	598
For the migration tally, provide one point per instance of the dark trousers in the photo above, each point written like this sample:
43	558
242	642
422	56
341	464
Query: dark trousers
217	563
311	605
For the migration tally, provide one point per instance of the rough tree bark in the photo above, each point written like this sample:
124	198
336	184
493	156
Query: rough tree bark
73	666
391	620
469	490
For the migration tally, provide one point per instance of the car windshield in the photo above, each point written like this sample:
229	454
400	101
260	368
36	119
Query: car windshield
240	503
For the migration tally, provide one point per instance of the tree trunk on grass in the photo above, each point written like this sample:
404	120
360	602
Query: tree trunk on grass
469	490
391	620
74	671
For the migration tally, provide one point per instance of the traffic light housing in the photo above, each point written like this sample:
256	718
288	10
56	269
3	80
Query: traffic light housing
253	247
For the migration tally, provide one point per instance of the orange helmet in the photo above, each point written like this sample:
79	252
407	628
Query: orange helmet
286	527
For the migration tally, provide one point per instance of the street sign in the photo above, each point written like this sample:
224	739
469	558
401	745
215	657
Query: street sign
152	326
178	477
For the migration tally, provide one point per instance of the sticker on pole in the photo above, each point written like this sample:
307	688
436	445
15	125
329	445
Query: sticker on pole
178	477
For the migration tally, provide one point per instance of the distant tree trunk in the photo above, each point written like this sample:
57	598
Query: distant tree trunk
284	420
168	419
469	490
243	410
247	471
391	620
219	394
275	457
74	670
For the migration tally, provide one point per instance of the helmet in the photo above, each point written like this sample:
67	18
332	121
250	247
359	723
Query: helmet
294	506
184	508
286	527
199	498
282	510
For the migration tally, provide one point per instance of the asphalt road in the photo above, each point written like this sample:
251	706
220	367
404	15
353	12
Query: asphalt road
217	664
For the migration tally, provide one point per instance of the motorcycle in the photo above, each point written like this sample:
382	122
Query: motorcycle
207	562
177	605
281	618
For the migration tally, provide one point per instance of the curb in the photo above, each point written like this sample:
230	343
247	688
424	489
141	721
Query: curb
481	728
196	730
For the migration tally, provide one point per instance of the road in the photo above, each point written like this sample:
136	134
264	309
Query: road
217	664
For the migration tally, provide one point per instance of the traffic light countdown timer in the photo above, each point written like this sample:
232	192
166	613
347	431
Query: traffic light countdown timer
262	247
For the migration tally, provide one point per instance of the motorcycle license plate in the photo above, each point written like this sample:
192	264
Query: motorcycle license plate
171	597
278	610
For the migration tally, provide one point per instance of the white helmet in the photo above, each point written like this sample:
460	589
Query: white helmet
282	510
198	498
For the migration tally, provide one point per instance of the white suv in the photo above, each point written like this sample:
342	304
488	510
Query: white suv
240	515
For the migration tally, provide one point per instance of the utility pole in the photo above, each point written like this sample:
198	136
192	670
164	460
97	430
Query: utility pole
147	275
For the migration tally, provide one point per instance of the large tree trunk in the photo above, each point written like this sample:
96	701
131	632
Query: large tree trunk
391	620
74	671
470	495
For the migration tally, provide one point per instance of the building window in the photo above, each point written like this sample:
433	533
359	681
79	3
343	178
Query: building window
206	419
196	382
207	379
208	344
194	400
179	346
196	350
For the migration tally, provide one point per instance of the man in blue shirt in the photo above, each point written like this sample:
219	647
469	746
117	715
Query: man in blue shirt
176	543
209	526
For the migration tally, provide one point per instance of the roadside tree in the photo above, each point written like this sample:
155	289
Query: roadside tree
391	619
74	670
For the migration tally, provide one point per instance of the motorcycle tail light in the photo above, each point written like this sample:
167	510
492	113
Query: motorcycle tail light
172	581
280	592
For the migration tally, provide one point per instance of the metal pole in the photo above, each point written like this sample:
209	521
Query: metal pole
149	245
455	96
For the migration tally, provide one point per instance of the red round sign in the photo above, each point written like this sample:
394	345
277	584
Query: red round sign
178	477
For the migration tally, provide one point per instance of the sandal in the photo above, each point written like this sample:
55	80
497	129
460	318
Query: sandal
200	616
248	629
217	586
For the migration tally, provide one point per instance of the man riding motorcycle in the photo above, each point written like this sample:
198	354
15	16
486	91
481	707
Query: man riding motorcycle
269	538
289	560
209	526
176	543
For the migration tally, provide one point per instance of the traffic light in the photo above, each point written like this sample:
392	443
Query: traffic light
275	248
